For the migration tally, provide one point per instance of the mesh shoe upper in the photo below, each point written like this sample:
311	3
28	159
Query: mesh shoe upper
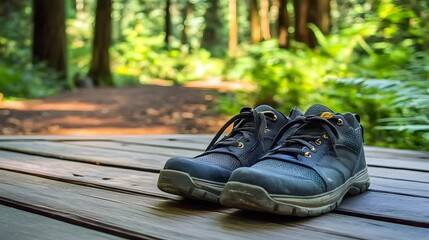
322	152
252	135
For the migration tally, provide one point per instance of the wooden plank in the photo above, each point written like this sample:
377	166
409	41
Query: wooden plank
388	207
398	152
144	182
109	157
85	174
195	146
139	148
130	138
398	164
142	160
18	224
399	174
129	160
153	217
416	189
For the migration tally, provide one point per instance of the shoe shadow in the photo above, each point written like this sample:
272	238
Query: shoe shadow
187	206
256	220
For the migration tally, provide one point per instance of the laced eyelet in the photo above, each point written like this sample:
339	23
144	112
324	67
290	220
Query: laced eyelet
340	122
240	145
313	149
325	136
318	142
307	154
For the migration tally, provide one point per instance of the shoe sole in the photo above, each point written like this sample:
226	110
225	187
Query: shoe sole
181	183
252	197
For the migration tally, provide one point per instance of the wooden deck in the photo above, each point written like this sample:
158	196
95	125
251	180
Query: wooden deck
54	187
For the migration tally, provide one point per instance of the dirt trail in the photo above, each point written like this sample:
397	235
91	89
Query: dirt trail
148	109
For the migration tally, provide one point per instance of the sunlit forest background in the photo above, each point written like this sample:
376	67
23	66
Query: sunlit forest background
366	56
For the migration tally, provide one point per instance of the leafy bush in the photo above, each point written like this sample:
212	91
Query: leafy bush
28	81
396	108
282	76
148	60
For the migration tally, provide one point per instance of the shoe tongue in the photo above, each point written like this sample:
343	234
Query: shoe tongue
315	110
261	108
294	112
319	110
312	129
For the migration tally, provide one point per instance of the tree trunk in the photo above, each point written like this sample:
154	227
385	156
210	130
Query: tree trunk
255	28
100	64
283	24
274	25
211	34
311	11
49	34
233	34
323	17
302	11
265	21
186	14
167	24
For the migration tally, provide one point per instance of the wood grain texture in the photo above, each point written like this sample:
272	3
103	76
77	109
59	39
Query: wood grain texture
154	217
400	174
146	161
109	184
138	148
18	224
116	179
388	207
142	161
145	182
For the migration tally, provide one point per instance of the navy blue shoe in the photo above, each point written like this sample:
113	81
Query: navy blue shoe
204	176
308	172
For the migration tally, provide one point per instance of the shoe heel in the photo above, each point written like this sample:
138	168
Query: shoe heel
180	183
360	185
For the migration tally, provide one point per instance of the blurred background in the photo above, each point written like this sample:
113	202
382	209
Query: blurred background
184	66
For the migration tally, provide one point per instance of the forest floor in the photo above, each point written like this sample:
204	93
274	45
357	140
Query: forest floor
147	109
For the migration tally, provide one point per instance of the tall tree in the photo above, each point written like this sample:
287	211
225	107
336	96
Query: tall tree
167	24
311	11
49	34
302	11
283	24
322	17
265	21
255	27
233	33
186	15
211	33
100	63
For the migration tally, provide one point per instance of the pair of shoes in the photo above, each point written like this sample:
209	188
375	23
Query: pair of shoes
301	165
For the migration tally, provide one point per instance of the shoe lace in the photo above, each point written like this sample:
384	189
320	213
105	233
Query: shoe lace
247	123
295	143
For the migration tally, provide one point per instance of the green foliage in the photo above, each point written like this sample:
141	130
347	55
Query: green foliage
18	77
374	67
149	60
401	104
28	81
281	75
